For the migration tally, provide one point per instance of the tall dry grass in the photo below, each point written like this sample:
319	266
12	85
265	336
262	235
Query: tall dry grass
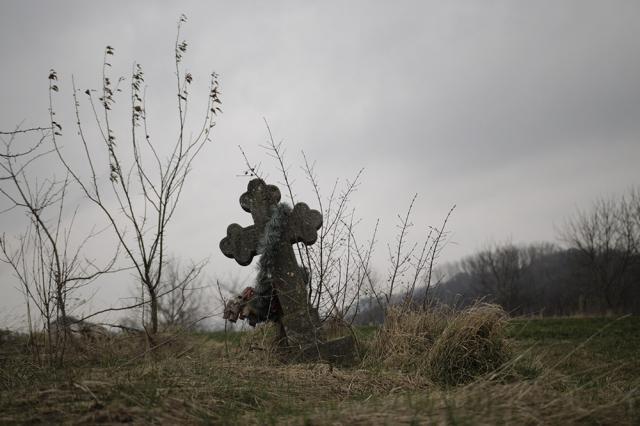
193	378
448	347
471	345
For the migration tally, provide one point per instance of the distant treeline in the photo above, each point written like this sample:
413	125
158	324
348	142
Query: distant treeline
543	279
596	272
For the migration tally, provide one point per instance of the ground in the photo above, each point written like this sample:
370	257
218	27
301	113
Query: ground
562	371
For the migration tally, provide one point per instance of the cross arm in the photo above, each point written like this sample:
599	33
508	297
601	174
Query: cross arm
304	224
240	243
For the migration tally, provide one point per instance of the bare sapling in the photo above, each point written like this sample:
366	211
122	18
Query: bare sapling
145	182
48	265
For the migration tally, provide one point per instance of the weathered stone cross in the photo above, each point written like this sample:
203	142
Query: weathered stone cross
300	321
242	244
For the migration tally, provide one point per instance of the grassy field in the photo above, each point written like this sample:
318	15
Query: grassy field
560	371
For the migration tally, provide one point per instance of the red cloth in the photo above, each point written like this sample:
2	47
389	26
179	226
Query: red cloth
247	293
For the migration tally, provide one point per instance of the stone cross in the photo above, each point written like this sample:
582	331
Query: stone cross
300	321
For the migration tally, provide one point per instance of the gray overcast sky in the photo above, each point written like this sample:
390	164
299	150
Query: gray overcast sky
516	111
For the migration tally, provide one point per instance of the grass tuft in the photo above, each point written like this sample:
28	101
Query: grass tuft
471	345
448	347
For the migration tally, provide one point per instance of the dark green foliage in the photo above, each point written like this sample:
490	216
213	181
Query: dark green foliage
268	247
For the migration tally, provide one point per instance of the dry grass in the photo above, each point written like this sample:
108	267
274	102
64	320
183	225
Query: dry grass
471	345
192	378
448	347
486	403
406	338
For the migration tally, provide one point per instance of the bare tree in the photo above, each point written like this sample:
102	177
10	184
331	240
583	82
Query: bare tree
400	255
48	266
145	185
507	273
182	305
606	238
497	270
410	264
338	265
434	244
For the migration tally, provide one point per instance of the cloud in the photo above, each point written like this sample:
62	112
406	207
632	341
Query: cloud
517	112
